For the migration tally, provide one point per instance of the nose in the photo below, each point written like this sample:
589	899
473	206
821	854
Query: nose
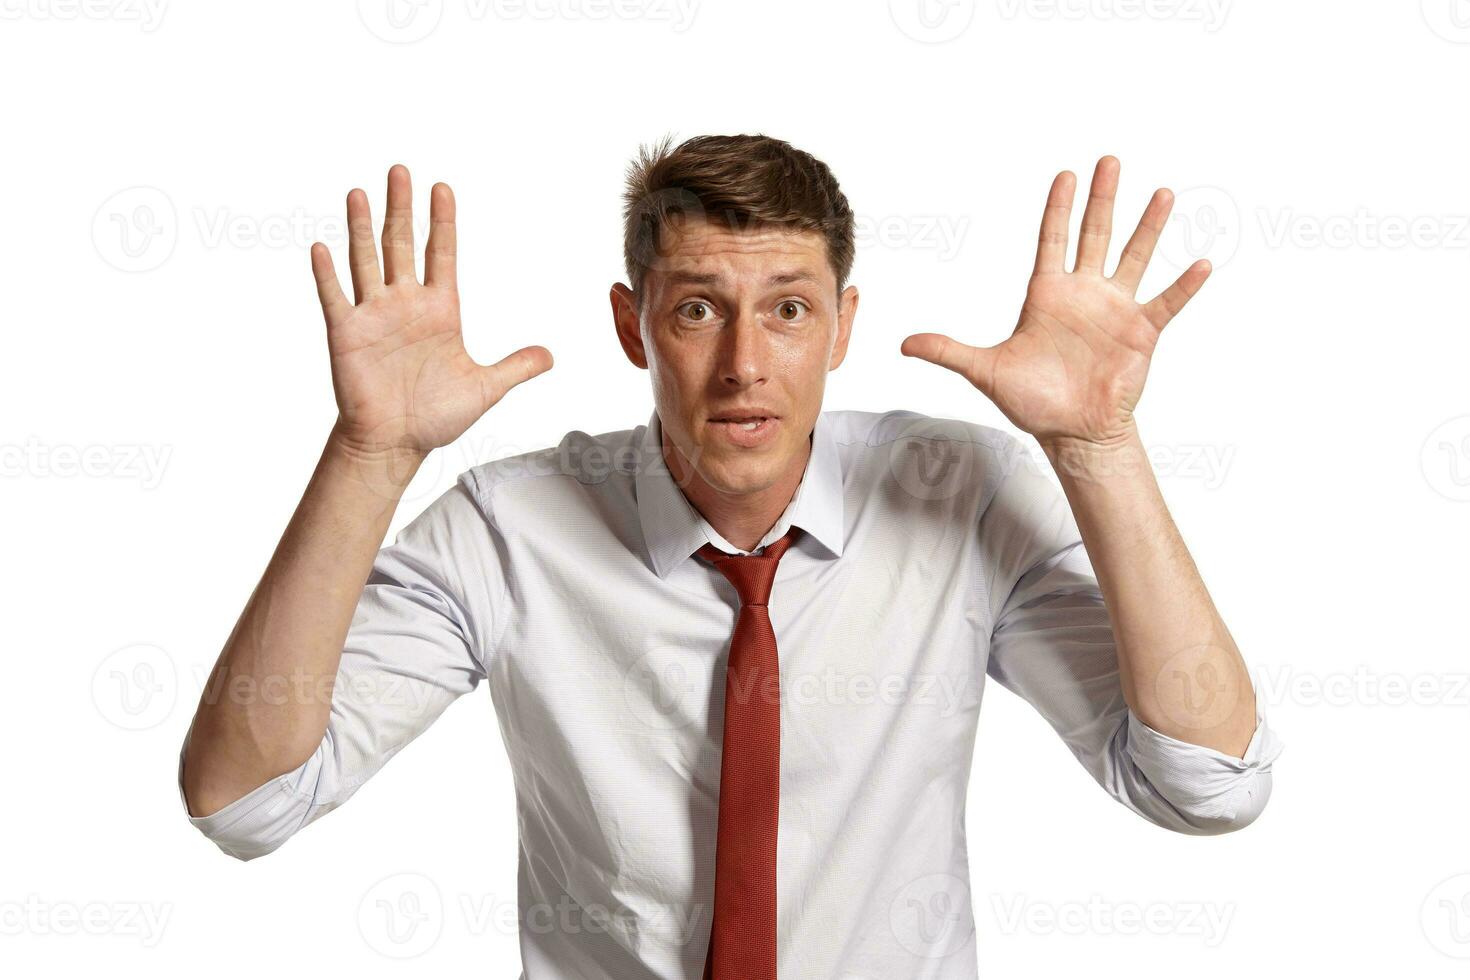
745	357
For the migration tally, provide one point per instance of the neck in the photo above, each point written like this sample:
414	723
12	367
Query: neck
741	518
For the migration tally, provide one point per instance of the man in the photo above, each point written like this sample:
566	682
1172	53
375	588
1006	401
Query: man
737	653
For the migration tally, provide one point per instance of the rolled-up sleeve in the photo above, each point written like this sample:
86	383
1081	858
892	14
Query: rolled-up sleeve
1052	644
1211	791
419	639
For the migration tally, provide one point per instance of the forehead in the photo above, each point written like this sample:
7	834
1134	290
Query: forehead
713	251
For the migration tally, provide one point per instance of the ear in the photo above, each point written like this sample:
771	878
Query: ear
626	323
846	312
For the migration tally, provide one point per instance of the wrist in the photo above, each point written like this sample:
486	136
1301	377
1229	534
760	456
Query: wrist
1122	456
388	470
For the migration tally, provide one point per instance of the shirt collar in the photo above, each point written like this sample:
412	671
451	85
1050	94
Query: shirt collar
673	530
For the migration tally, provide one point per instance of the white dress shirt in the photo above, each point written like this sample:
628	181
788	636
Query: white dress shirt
935	553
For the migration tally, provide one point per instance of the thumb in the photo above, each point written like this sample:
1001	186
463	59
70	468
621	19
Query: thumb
975	364
511	370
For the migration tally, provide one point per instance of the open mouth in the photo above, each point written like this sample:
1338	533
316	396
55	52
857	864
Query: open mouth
746	430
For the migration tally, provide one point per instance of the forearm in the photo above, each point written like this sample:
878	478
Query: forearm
1180	669
268	700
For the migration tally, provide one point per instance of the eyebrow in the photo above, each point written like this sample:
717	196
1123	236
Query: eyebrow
712	278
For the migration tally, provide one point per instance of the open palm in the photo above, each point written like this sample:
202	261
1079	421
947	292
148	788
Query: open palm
403	379
1075	365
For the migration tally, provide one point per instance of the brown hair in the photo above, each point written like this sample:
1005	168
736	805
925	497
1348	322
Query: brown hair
746	181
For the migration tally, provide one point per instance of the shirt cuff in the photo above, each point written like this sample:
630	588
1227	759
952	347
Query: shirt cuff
1214	791
261	820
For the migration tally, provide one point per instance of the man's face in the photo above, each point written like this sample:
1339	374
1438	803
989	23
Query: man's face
737	324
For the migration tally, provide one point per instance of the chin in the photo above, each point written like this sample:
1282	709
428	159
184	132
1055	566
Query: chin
740	473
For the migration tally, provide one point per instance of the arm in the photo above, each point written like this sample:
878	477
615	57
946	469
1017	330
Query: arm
1071	375
404	386
1181	670
289	637
422	633
1053	643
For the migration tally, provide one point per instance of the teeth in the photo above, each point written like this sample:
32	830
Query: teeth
749	425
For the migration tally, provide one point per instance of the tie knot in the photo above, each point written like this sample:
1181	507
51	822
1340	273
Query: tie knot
751	575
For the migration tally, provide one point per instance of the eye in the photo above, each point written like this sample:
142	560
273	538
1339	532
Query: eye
793	307
696	310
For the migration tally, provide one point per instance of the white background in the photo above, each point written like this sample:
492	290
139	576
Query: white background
166	393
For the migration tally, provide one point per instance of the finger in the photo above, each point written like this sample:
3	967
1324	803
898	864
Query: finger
974	363
328	289
1097	219
513	369
362	252
398	226
1140	248
439	255
1051	245
1163	307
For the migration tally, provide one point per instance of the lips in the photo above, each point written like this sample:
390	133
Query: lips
746	431
750	413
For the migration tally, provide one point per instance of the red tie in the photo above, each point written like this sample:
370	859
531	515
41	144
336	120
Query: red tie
743	936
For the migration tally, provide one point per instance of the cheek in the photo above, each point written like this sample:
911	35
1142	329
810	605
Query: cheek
679	371
685	358
804	357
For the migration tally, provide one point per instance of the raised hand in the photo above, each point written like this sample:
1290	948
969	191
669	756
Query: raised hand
403	379
1073	369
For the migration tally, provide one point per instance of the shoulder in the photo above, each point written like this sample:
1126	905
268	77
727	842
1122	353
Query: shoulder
885	428
931	456
580	464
